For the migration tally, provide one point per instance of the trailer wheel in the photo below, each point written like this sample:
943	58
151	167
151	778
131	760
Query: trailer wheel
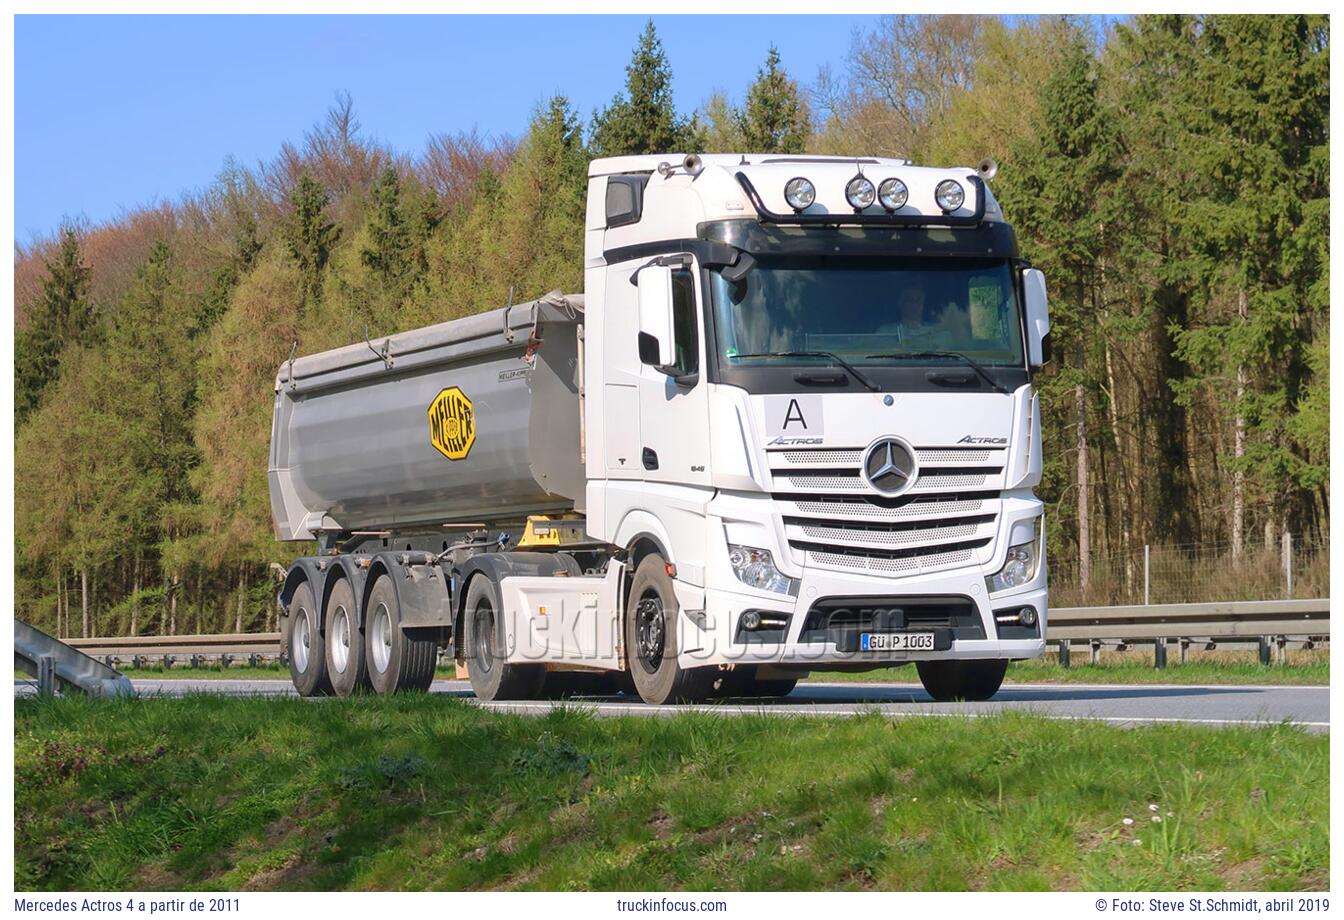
973	680
396	661
346	666
305	645
651	639
492	677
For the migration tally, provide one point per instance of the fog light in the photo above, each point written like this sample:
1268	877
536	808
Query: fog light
1028	616
751	620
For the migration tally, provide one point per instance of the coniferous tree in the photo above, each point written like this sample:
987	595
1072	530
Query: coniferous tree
775	120
1072	156
61	318
310	235
644	119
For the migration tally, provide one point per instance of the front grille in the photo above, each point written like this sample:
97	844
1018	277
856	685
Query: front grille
833	516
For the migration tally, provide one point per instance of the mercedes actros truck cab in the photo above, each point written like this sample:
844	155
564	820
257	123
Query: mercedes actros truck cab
788	426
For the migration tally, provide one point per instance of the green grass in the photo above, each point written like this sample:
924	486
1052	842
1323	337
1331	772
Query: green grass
421	792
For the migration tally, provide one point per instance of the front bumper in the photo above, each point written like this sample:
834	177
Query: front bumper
712	617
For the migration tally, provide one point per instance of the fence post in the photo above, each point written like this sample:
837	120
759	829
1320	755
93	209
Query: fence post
1160	654
1145	575
1096	651
1288	562
1064	653
46	676
1264	650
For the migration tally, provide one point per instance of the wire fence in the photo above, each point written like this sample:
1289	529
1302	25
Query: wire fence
1194	573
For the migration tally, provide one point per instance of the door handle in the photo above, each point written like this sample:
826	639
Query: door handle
650	458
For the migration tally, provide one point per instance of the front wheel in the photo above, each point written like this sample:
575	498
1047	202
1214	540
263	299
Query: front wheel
974	680
651	639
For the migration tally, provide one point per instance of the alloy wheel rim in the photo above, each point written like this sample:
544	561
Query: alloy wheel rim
382	638
340	639
302	640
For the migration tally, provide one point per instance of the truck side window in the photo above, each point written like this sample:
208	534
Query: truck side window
683	321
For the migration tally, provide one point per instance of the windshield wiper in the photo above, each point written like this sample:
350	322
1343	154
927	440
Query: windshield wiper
816	354
967	359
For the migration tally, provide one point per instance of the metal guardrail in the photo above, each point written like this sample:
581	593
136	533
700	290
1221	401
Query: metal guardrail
56	664
226	648
1271	624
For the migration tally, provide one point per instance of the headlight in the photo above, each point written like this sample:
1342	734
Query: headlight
860	193
756	568
799	193
1024	559
893	194
949	194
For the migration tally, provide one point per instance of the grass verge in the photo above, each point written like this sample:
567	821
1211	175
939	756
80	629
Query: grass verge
431	793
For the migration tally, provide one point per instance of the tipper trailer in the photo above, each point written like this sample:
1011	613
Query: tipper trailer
788	426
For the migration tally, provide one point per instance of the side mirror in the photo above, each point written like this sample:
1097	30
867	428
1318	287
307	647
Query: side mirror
656	335
1038	316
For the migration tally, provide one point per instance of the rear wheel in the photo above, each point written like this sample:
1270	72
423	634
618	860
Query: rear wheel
395	660
972	680
492	677
344	642
307	657
652	621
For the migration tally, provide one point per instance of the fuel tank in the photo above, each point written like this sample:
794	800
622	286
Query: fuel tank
475	419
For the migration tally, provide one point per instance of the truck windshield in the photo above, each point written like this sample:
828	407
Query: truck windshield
869	311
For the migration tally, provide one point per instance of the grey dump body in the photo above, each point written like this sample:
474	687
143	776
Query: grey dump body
351	439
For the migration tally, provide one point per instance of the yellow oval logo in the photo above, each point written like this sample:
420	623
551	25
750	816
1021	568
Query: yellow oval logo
452	426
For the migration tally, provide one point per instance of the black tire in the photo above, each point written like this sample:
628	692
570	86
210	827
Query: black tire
974	680
742	681
775	688
305	644
344	640
492	677
396	661
652	622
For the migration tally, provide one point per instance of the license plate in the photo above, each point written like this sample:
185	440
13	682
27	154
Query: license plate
896	642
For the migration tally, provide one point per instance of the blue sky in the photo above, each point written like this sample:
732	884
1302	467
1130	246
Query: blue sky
113	112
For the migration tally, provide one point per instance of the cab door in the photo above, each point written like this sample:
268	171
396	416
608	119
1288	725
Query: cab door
673	406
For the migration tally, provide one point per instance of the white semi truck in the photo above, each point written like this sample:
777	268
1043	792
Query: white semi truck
788	426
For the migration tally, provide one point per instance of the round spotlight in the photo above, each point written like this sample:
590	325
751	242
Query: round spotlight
950	195
751	620
1028	616
800	193
860	193
893	194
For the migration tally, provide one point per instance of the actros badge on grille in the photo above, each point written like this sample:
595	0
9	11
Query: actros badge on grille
889	466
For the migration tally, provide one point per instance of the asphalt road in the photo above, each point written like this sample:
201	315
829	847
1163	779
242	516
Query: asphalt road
1124	705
